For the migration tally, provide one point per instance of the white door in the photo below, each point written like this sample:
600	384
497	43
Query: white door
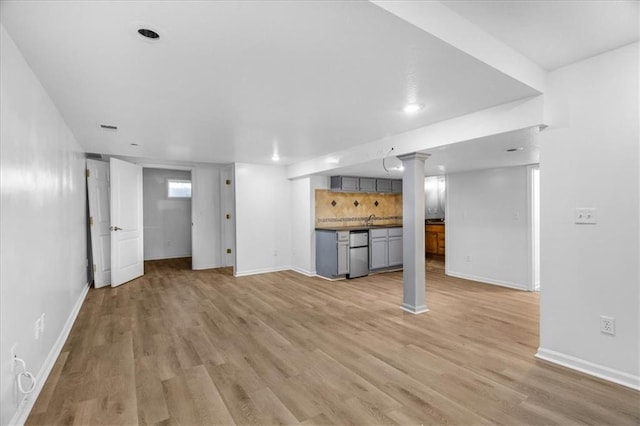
98	190
127	249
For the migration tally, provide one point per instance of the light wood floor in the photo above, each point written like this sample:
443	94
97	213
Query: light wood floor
201	347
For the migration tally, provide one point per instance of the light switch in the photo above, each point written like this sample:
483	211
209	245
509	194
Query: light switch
585	215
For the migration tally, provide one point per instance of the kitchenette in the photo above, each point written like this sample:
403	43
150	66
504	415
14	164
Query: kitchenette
358	225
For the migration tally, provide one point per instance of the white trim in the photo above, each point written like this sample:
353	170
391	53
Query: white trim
486	280
26	405
261	271
415	310
303	271
210	266
179	256
590	368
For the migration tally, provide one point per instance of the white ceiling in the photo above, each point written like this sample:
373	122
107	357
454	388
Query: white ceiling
554	33
234	81
477	154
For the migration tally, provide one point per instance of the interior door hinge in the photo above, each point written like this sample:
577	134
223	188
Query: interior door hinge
228	216
94	267
228	181
229	251
90	220
88	173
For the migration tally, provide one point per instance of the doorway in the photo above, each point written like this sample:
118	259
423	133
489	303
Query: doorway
167	195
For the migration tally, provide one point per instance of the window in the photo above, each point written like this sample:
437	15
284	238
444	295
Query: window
178	188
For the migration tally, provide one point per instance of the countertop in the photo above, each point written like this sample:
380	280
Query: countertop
357	228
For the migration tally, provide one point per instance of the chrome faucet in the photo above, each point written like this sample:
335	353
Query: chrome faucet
369	220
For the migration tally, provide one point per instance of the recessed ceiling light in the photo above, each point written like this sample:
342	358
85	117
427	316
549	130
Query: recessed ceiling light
109	127
333	160
514	149
275	157
398	168
412	108
146	32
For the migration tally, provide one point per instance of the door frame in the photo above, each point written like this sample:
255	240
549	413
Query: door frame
190	169
533	227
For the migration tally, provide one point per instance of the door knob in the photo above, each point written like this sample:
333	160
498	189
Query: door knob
115	228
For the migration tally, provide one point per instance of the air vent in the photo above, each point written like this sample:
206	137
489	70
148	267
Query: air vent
109	127
514	149
146	32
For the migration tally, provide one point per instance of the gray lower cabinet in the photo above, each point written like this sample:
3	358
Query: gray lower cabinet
332	253
385	248
395	246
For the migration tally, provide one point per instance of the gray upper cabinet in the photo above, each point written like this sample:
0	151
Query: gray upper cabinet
362	184
345	183
383	185
367	185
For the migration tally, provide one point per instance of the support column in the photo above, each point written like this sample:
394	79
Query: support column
413	300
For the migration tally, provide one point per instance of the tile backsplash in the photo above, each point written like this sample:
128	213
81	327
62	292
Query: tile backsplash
353	208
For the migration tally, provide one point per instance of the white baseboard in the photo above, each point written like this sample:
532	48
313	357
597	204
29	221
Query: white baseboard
587	367
485	280
303	271
260	271
167	257
26	405
210	266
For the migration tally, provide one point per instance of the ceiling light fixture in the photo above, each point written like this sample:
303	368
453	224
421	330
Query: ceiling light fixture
146	32
412	108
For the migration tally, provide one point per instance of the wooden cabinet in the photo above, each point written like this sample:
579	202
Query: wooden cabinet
434	239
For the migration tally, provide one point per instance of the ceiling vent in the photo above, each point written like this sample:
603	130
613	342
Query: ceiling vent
108	127
146	32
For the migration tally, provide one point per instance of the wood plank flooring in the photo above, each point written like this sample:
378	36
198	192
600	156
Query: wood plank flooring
202	347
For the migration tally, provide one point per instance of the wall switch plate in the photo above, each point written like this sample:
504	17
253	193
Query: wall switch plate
607	325
585	215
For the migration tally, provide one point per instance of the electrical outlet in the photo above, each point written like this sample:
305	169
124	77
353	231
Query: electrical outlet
584	215
607	325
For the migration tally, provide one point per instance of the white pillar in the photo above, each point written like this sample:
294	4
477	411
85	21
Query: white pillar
413	300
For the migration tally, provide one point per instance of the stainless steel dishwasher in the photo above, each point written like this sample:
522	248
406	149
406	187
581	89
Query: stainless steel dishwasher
358	254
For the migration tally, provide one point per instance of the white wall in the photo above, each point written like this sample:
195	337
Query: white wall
486	227
167	221
207	229
263	219
43	223
303	207
590	158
